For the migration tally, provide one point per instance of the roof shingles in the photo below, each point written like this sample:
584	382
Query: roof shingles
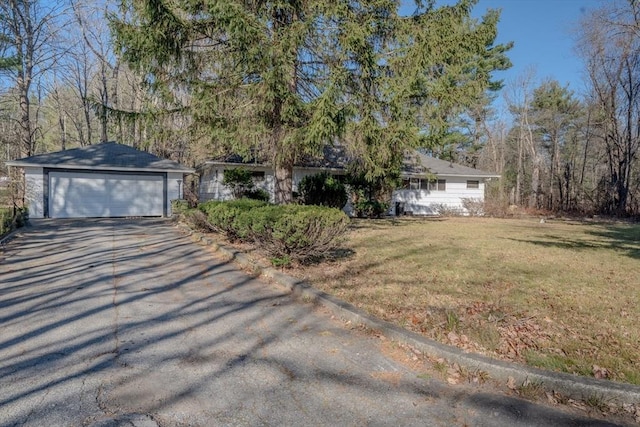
107	155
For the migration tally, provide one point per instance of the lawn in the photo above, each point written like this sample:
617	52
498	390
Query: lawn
561	295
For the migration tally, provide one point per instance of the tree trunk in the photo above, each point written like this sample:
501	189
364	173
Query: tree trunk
534	200
283	185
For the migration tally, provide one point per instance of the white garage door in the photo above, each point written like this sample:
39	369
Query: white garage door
80	195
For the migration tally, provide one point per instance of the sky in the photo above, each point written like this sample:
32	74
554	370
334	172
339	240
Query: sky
542	34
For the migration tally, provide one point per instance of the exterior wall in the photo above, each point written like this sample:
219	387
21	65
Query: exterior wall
426	202
212	188
175	188
34	191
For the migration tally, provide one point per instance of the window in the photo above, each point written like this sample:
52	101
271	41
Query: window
412	184
439	185
257	175
473	184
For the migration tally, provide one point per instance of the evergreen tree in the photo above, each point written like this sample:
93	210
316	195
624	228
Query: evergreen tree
280	79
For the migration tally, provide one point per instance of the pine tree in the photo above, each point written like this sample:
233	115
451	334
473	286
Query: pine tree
281	79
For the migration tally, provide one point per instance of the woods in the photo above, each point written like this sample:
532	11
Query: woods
189	80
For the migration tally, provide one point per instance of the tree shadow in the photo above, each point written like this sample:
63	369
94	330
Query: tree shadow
104	318
615	237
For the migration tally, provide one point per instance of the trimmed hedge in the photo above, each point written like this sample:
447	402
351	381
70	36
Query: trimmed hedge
286	233
293	232
221	215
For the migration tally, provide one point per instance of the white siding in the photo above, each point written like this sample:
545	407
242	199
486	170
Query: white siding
298	174
212	188
425	202
34	191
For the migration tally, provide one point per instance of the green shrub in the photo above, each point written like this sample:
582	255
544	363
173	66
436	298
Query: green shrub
9	221
322	189
286	233
293	232
239	180
257	224
257	194
221	215
179	206
6	219
365	208
208	206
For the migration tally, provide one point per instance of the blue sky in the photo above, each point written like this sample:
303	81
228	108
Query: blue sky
542	33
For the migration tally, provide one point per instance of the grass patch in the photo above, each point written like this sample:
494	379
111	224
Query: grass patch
562	295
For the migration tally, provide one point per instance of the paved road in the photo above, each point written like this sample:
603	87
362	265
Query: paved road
109	323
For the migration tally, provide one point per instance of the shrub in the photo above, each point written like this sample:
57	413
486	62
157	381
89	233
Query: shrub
474	206
445	210
9	221
221	215
257	194
293	232
179	206
6	219
365	208
197	219
241	183
322	189
370	199
239	180
256	225
286	233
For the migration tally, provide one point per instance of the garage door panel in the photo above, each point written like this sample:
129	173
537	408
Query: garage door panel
75	195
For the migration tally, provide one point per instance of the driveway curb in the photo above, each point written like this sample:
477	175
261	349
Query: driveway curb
572	386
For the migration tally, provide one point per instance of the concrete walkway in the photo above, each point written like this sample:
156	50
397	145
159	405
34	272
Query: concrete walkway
127	322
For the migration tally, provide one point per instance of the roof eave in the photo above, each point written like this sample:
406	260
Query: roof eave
100	168
267	166
417	174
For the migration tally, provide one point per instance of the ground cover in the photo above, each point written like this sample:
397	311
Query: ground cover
561	295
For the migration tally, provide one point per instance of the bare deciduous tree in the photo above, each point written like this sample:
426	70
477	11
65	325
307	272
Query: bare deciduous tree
609	42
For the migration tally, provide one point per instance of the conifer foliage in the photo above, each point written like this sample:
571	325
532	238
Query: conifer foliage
283	78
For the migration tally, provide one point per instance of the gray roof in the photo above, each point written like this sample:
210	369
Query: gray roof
333	157
417	163
414	164
103	156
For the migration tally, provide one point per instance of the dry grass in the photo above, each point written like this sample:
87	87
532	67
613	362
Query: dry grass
560	295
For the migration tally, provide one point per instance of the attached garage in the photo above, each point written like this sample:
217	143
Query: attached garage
101	181
82	194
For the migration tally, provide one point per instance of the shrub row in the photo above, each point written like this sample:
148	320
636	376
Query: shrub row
286	233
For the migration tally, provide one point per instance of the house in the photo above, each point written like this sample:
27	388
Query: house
101	180
429	184
211	187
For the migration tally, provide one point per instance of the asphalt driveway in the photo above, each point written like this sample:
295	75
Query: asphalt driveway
127	322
